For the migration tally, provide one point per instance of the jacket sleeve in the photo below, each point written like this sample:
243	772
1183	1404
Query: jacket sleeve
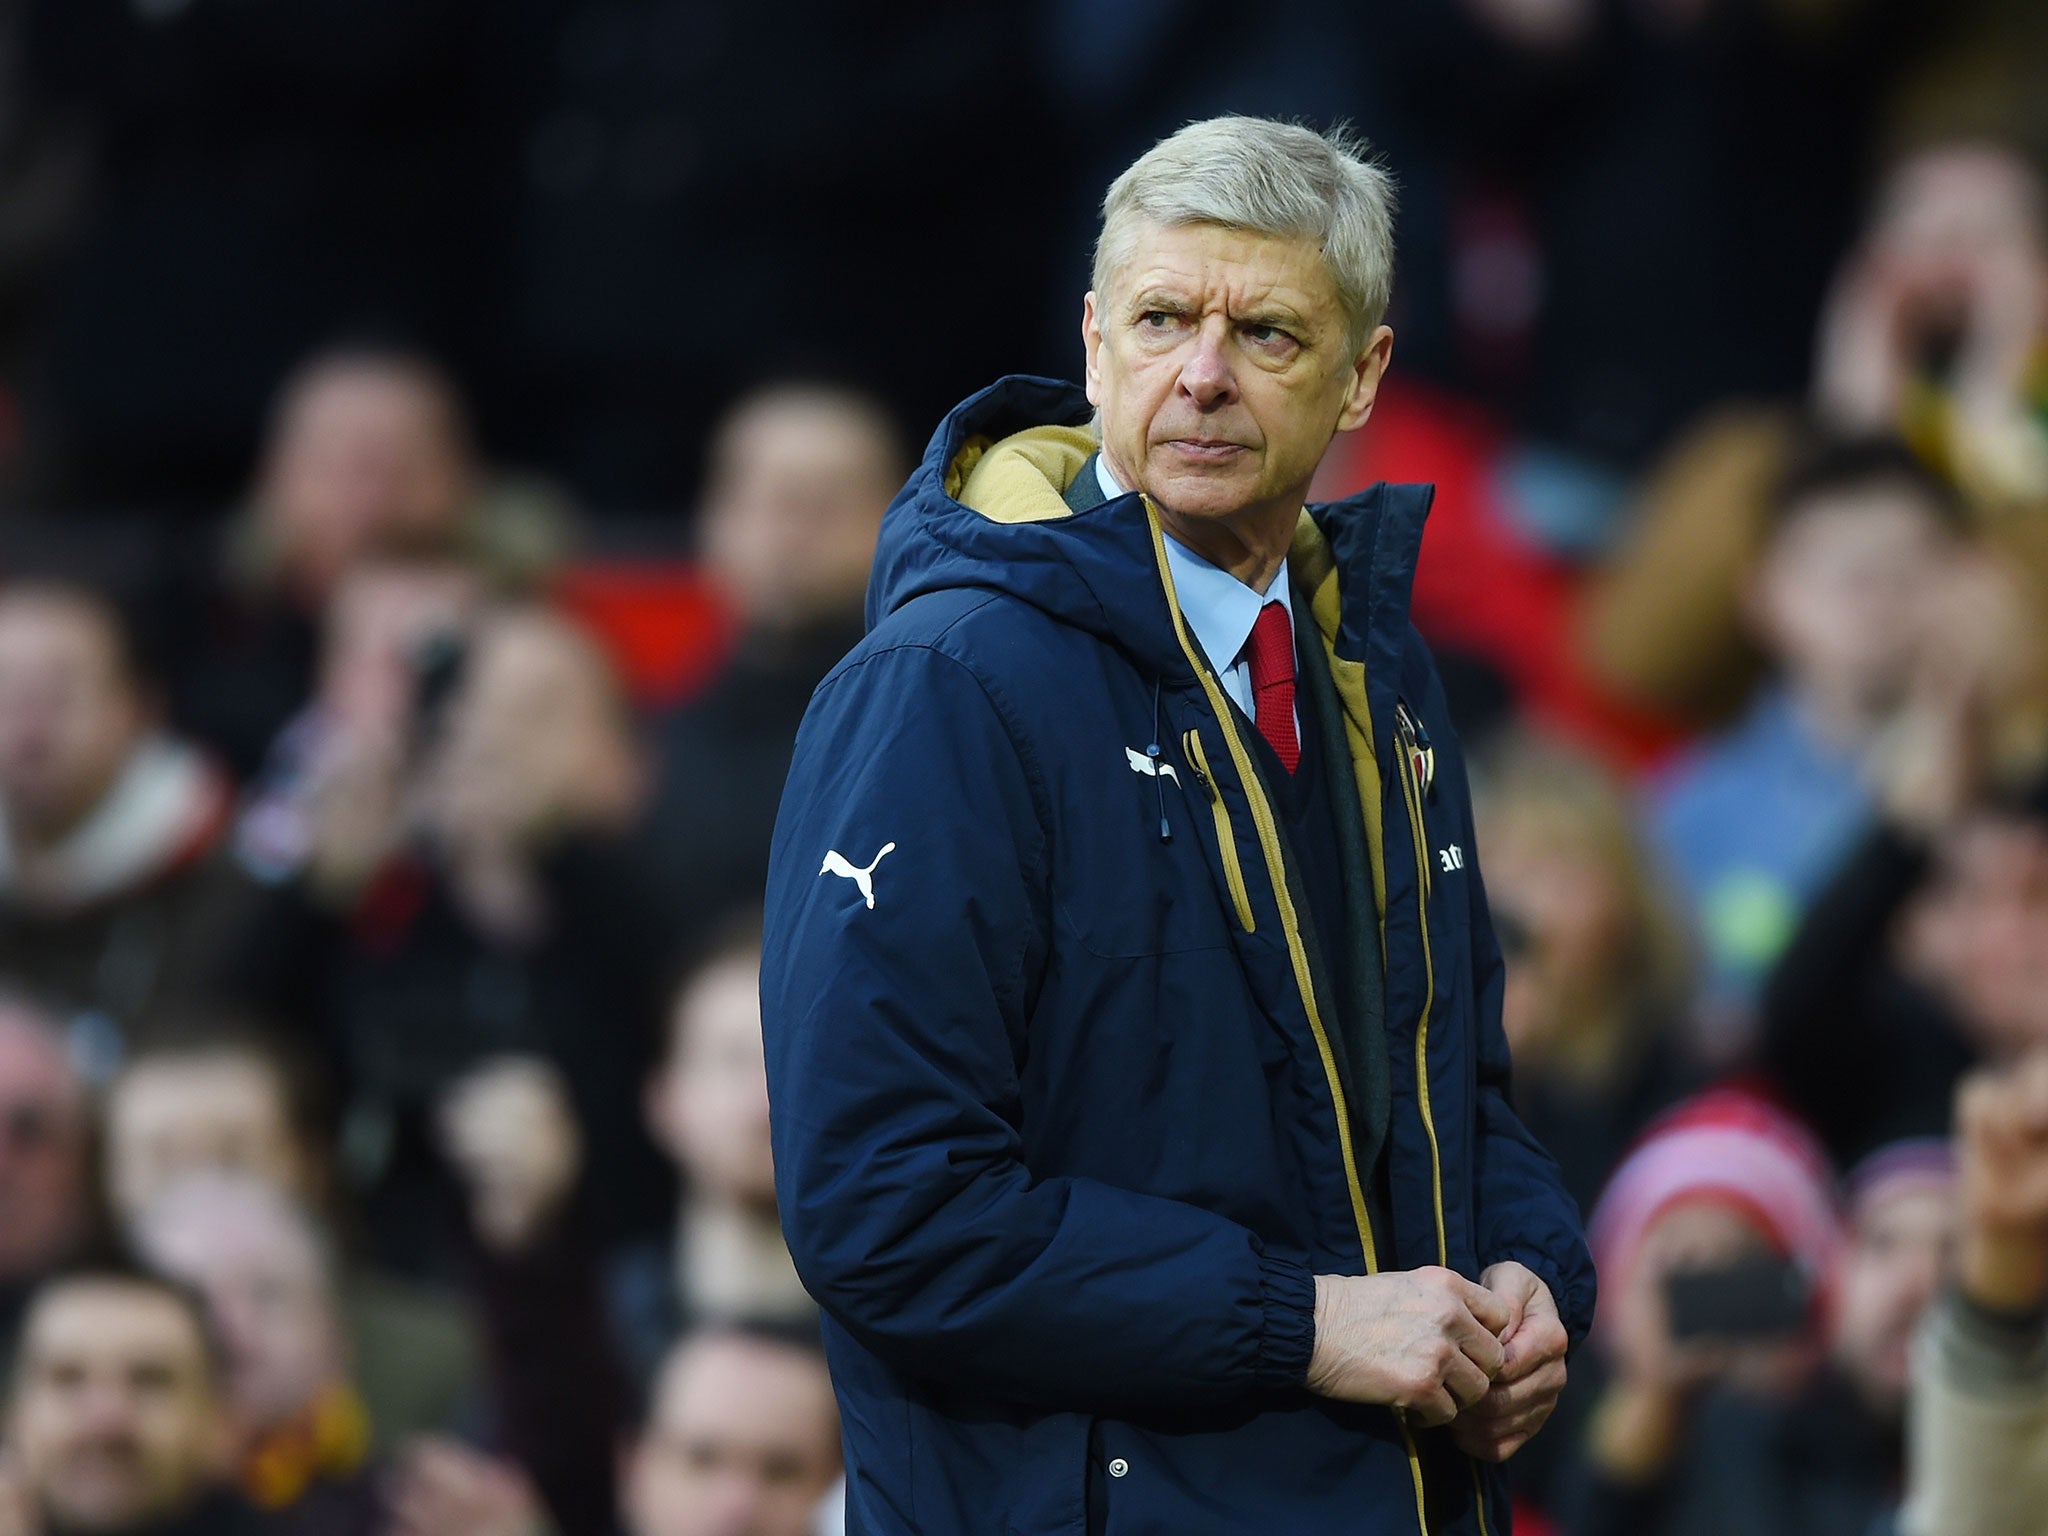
1520	1206
894	1031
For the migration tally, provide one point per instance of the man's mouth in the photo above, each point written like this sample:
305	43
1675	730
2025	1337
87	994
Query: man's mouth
1206	449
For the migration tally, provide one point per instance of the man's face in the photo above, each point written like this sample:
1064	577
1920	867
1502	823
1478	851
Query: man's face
1562	908
708	1102
172	1116
743	1440
1845	587
367	457
1979	932
795	497
1899	1255
1222	365
43	1177
261	1275
114	1423
1952	224
70	716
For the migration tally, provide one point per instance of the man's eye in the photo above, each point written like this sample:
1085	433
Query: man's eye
1266	334
1155	319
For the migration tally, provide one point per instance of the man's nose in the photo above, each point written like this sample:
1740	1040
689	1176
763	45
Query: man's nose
733	1506
1205	376
108	1409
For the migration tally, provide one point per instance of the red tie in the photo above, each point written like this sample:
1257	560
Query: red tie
1272	648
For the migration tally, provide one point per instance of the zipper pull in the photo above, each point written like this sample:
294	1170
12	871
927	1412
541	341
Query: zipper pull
1415	742
1193	757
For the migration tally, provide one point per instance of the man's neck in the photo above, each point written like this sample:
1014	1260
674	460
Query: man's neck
1251	544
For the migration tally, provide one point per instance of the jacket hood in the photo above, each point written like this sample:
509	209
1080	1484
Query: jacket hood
985	509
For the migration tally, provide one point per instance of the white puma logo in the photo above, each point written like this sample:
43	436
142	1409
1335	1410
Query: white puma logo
836	863
1140	763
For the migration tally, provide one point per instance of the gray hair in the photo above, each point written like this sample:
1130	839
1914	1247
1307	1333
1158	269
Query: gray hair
1270	178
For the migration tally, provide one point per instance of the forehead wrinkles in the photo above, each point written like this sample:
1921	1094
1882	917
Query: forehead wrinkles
1234	271
1220	287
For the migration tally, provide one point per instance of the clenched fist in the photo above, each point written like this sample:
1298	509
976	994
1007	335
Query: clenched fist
1526	1387
1427	1340
2002	1119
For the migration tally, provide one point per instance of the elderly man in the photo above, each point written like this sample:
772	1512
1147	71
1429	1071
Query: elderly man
1131	1004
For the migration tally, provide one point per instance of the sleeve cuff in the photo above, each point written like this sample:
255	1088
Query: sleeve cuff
1287	1337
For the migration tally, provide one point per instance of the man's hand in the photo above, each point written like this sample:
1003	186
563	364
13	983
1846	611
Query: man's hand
441	1487
1532	1373
2003	1119
1427	1340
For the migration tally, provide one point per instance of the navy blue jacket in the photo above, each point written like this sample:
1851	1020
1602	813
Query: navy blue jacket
1068	1108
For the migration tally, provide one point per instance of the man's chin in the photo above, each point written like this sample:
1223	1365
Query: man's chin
1207	492
98	1505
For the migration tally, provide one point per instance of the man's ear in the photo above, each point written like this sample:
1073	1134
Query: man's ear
1091	342
1367	370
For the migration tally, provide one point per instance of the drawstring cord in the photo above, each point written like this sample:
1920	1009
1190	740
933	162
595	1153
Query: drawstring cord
1158	779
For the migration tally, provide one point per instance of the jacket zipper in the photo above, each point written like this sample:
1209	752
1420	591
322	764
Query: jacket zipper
1410	747
1233	870
1269	844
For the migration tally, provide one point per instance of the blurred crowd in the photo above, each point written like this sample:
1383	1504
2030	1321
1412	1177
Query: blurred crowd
441	449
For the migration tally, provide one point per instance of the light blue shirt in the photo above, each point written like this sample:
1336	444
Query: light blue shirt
1219	608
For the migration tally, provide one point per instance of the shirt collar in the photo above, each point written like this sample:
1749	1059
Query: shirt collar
1219	608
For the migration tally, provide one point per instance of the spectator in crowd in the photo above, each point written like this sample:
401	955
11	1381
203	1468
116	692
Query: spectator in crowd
743	1435
1720	1182
1926	951
369	456
707	1108
117	1423
1900	1253
301	1434
325	805
1596	957
741	1439
1980	1390
210	1100
799	477
1824	1457
46	1200
1934	330
485	899
214	1101
510	1132
1754	820
110	888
